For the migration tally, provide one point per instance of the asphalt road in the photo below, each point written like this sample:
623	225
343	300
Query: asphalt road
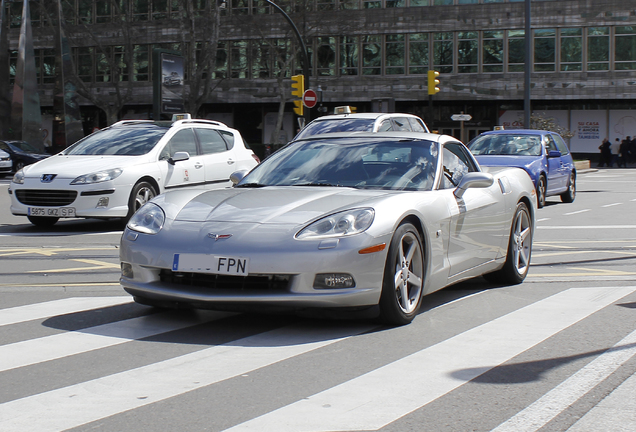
556	353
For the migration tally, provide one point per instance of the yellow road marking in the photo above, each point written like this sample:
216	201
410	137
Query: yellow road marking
97	265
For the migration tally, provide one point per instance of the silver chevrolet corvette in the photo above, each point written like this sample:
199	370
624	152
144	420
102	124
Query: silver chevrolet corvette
358	223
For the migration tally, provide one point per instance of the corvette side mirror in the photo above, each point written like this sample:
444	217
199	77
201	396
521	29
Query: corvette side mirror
473	180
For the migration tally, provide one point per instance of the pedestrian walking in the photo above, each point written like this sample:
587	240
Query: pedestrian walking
623	153
606	153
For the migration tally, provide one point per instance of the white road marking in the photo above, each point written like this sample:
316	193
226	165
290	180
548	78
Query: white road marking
380	397
79	404
36	311
61	345
592	227
542	219
576	212
569	391
612	205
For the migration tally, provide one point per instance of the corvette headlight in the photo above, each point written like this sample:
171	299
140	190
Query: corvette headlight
148	220
18	177
97	177
344	223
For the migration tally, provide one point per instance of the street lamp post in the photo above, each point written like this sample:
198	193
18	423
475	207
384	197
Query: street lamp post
303	47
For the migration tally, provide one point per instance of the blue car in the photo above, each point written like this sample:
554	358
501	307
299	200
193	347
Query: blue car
543	154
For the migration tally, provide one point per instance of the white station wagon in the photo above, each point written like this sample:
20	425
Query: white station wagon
114	171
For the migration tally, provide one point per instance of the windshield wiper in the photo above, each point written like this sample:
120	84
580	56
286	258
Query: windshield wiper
250	185
314	184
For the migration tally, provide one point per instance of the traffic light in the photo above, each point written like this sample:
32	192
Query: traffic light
298	89
433	82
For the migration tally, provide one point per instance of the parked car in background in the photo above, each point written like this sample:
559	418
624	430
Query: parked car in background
363	122
6	165
114	171
543	154
356	222
22	153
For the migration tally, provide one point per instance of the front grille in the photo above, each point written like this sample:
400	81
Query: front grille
238	283
45	197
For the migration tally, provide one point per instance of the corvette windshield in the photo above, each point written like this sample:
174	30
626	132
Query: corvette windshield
125	141
392	164
506	144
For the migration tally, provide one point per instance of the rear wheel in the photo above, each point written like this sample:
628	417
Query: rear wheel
403	277
542	186
141	193
569	195
43	221
517	263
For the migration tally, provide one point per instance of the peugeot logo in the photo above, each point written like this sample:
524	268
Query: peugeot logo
47	178
217	237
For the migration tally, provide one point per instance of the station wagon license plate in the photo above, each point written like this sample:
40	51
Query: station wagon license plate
216	264
61	212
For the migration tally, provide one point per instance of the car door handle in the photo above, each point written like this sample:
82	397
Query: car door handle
230	162
198	165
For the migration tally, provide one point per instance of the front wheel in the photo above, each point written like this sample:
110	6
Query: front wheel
403	277
141	193
517	263
569	195
43	221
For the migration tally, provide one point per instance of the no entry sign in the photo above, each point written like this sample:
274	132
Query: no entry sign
310	98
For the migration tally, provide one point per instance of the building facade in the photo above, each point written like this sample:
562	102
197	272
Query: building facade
374	55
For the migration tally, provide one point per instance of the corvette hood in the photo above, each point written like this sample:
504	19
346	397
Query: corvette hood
70	167
286	205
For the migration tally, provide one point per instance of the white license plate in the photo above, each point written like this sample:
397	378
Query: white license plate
62	212
216	264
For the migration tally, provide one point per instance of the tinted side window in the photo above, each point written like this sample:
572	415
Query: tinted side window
385	126
563	148
402	124
210	141
416	125
181	141
549	143
229	139
456	163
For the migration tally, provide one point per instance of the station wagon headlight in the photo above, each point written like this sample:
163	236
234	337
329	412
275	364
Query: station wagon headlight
344	223
98	177
149	219
18	177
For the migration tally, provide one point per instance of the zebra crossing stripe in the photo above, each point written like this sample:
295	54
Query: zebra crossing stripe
43	310
568	392
382	396
61	345
82	403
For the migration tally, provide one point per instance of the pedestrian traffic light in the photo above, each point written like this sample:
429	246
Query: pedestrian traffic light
433	82
298	89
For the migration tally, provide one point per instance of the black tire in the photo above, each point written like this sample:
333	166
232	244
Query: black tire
141	193
43	221
542	187
517	263
18	166
569	195
401	297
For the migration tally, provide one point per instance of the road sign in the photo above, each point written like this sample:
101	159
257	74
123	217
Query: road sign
310	98
461	117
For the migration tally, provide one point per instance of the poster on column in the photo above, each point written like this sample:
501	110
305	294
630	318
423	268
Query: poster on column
590	128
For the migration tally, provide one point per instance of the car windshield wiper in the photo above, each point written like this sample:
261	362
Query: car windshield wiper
250	185
314	184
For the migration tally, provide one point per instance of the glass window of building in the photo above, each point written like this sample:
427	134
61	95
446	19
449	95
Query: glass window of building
443	52
103	12
571	49
349	55
349	4
261	55
516	50
240	7
326	56
544	50
84	11
419	3
325	5
467	52
102	66
141	57
493	51
625	51
395	3
372	4
442	2
395	54
221	61
84	62
140	10
598	48
160	9
372	55
418	53
238	56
